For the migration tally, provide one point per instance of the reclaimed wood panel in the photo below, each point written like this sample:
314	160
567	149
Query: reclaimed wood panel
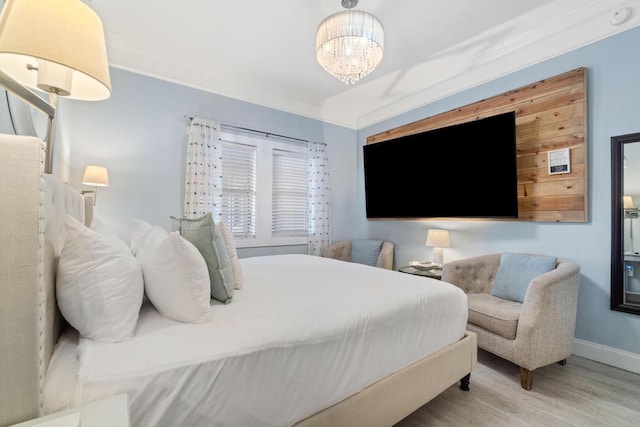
551	114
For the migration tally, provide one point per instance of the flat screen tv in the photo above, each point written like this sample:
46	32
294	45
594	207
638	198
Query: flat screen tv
466	170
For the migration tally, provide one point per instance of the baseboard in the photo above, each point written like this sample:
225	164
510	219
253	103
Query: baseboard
607	355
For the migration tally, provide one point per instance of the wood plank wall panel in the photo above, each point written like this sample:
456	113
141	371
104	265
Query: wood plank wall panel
550	114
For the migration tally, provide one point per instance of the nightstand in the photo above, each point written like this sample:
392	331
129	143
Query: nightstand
434	274
110	412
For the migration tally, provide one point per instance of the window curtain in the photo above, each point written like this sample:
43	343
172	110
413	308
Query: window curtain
319	234
203	188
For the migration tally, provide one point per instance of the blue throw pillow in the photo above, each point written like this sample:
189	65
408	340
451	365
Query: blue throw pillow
365	251
515	273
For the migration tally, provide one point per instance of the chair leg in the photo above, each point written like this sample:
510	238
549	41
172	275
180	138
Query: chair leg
526	378
464	382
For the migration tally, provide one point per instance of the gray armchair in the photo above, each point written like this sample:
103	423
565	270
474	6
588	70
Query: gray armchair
535	333
377	253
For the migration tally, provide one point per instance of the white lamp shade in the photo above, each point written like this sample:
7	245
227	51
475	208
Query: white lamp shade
627	202
64	32
438	239
96	176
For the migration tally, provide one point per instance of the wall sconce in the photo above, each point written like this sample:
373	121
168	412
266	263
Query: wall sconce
56	46
438	240
96	176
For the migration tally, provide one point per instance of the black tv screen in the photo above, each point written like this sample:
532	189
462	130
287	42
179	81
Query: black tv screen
461	171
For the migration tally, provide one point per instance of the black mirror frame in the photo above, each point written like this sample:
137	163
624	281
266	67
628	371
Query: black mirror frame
617	223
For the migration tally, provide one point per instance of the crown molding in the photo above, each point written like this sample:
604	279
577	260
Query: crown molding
563	26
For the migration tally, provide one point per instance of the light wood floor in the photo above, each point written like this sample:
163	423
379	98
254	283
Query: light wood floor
580	393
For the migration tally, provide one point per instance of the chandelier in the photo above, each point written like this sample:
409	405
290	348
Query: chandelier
349	44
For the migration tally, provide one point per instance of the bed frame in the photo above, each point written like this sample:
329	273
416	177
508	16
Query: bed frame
31	233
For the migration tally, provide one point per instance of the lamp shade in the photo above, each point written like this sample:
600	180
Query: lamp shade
96	176
438	239
53	36
627	202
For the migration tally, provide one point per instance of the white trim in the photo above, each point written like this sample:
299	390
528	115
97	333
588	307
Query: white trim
607	355
276	241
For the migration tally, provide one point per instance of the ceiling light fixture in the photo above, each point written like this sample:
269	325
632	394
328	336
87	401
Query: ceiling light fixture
349	44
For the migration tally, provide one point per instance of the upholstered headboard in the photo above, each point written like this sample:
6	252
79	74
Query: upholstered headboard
33	206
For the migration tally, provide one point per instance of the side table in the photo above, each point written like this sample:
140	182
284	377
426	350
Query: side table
109	412
434	273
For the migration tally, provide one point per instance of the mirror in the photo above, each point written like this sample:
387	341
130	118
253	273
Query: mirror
625	223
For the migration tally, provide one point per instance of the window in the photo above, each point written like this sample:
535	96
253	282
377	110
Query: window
264	190
289	194
238	205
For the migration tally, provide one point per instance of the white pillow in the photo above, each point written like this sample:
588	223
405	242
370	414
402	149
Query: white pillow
98	285
229	243
101	228
176	278
140	227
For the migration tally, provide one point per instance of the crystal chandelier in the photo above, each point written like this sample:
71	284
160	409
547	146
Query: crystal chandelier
349	44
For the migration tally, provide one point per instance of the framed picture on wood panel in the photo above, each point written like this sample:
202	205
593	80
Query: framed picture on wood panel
558	161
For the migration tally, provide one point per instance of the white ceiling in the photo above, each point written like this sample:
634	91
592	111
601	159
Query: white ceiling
264	51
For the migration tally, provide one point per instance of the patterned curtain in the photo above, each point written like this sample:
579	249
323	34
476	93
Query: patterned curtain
203	190
319	235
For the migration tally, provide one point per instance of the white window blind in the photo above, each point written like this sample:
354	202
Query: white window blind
264	183
238	206
289	194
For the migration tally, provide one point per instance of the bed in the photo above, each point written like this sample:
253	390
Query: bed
307	341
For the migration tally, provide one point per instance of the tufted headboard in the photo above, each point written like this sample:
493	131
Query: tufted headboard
33	206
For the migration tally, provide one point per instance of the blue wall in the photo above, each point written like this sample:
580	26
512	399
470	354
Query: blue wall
139	135
613	76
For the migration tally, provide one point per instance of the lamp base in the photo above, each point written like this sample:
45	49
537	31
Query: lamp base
438	256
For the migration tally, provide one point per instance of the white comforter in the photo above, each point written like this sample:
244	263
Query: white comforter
302	334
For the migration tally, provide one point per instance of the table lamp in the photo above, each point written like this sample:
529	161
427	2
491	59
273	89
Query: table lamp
438	240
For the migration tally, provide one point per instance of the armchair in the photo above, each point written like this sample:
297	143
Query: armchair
377	253
533	333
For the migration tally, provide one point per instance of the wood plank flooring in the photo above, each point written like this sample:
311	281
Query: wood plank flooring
580	393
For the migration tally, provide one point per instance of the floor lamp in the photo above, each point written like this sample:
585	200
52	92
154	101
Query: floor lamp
55	46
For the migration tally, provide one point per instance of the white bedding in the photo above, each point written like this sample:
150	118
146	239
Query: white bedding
304	333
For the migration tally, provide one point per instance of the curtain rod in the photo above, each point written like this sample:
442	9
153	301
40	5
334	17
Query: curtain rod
267	134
